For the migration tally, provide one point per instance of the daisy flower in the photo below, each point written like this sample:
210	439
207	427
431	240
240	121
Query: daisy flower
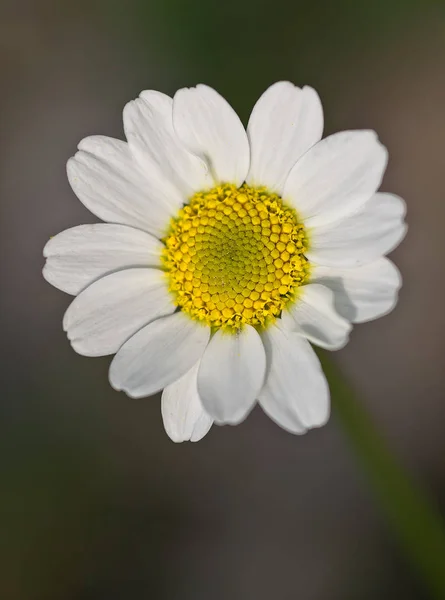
225	254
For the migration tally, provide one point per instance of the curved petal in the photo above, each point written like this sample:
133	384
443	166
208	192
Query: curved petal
78	256
158	355
374	230
285	122
182	411
112	309
148	125
108	181
210	128
231	374
313	315
296	393
362	294
336	176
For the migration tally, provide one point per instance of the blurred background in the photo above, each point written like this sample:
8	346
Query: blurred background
96	502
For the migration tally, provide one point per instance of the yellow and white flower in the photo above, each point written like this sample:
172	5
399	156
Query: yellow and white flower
225	253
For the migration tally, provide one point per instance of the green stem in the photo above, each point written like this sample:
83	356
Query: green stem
412	515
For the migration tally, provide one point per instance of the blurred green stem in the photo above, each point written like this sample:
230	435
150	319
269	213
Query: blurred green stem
412	515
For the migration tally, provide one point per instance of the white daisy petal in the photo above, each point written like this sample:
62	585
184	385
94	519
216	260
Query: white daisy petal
78	256
158	355
313	315
336	176
210	128
148	125
374	230
231	374
182	411
285	122
296	393
364	293
108	181
109	311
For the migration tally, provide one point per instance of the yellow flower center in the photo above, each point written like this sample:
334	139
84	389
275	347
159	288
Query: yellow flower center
234	256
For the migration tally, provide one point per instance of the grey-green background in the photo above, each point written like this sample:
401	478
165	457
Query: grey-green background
96	502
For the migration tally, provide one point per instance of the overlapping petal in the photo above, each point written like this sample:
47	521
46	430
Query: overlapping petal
285	122
296	393
76	257
314	316
158	355
109	182
336	176
364	293
210	128
231	374
112	309
362	237
148	125
182	411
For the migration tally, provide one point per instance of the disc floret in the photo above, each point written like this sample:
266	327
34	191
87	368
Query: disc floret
235	256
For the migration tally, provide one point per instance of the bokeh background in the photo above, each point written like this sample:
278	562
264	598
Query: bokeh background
96	502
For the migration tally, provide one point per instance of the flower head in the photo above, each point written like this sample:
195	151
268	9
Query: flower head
225	253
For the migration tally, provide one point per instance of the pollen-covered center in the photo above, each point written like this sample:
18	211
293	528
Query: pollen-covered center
235	255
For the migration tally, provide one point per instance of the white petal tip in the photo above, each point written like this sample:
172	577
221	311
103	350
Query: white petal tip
234	420
176	439
47	248
79	348
48	276
198	437
334	347
117	387
322	422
